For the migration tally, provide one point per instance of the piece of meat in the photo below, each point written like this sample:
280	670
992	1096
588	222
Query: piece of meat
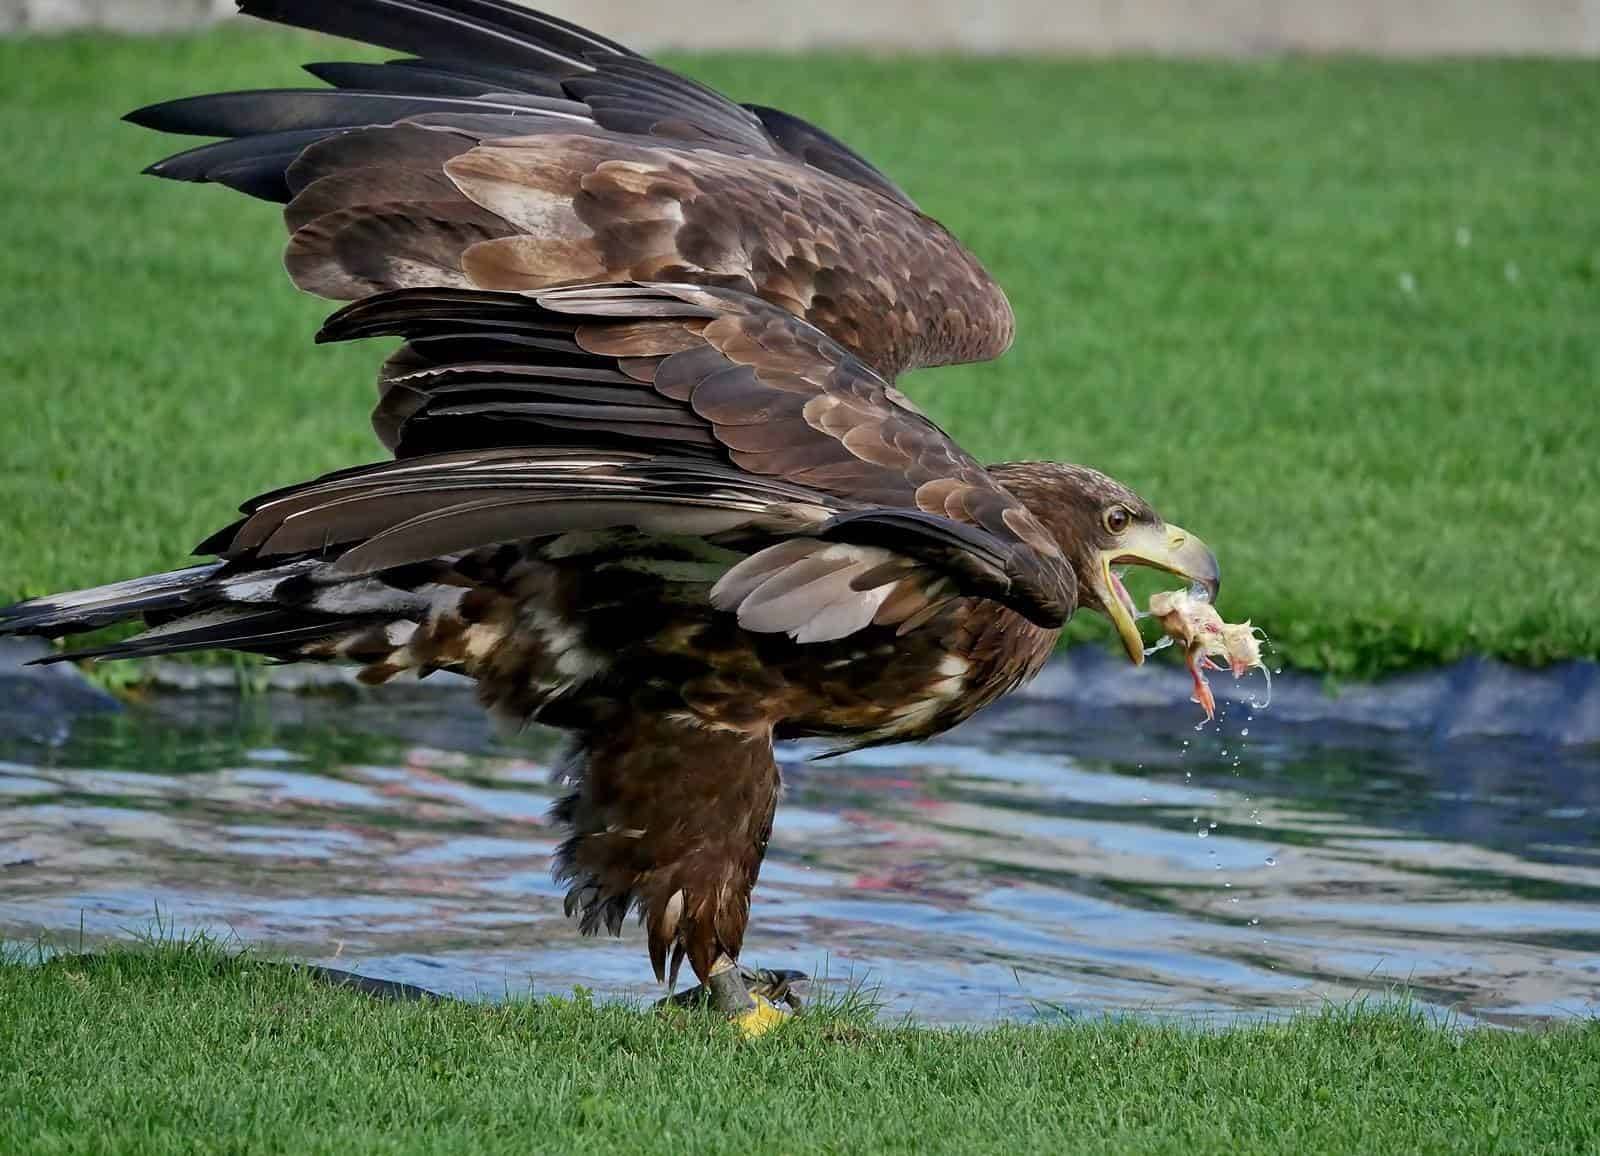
1193	623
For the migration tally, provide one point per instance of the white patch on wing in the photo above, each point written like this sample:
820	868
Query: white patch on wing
804	587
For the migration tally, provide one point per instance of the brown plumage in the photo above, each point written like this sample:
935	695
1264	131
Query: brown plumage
652	481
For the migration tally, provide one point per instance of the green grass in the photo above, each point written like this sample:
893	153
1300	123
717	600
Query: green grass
1338	317
183	1049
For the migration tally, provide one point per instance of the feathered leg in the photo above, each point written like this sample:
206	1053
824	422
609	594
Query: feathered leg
671	817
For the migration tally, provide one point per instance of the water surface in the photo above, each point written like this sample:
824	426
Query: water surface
1034	863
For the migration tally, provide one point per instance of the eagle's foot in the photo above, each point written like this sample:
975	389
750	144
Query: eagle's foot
776	985
755	999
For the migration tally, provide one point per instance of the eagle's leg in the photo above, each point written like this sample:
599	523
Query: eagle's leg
671	817
738	994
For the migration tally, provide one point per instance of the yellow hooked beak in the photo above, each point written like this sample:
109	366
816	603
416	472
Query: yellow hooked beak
1162	547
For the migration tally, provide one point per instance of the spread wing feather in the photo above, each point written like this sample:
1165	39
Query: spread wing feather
516	151
711	376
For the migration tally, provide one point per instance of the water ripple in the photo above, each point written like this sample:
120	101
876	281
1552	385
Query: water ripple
1015	874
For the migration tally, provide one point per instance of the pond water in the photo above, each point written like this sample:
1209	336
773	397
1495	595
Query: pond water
1036	863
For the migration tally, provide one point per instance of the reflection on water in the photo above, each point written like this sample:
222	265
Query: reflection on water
1020	868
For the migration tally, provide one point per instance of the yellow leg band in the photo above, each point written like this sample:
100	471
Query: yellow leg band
759	1020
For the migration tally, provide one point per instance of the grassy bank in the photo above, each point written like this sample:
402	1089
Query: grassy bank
1335	316
187	1050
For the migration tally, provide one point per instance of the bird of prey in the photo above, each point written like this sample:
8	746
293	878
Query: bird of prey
651	479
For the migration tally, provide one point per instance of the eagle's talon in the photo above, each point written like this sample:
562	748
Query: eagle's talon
776	985
773	985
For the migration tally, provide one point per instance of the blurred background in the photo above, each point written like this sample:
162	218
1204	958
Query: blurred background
1221	27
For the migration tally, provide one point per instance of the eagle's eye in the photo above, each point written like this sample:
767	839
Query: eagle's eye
1117	519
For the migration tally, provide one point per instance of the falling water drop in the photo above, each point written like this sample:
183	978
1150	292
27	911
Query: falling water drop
1202	832
1272	860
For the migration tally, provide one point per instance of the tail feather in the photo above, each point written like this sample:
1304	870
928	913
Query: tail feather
405	620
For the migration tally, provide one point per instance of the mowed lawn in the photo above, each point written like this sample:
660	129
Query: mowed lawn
185	1050
1338	317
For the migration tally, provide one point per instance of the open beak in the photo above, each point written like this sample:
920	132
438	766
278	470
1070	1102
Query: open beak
1164	547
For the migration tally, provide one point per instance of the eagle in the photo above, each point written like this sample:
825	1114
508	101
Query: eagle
651	480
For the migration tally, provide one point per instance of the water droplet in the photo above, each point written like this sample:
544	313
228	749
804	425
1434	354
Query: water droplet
1195	819
1272	861
1187	775
1225	883
1253	923
1463	236
1235	899
1244	732
1202	832
1213	826
1144	798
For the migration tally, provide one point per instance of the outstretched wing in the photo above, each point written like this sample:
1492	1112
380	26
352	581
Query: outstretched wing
731	418
707	439
515	151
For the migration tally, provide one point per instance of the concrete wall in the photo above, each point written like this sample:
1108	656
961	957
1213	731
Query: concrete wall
1209	27
126	15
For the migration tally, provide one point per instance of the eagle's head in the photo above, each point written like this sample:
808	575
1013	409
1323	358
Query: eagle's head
1102	525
